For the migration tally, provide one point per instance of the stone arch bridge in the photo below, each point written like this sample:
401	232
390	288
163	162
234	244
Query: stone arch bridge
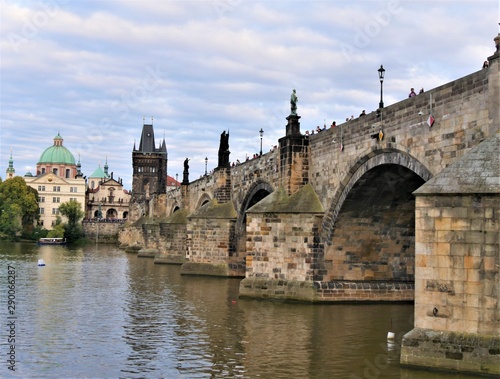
391	206
360	176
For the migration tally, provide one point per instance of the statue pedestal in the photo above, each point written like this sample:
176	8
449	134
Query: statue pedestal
293	126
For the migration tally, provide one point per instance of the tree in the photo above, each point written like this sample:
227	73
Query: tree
73	212
58	230
18	207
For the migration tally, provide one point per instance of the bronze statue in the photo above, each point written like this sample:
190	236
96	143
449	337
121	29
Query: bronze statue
224	150
185	179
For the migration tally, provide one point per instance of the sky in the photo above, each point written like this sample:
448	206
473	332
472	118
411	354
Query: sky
95	71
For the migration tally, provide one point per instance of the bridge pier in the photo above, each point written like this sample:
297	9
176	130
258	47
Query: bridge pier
457	292
172	242
211	243
284	253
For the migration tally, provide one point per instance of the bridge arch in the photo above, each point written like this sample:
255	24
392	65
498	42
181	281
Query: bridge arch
369	229
175	207
369	159
205	198
257	191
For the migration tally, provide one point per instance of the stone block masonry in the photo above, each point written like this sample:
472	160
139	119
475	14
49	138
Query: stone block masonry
103	232
457	274
283	246
210	241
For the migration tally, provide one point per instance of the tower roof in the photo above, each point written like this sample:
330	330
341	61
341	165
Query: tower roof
98	173
57	153
147	144
10	169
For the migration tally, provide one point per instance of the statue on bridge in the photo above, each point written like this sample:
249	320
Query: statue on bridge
224	150
293	103
185	179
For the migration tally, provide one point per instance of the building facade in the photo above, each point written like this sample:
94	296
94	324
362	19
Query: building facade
58	180
106	198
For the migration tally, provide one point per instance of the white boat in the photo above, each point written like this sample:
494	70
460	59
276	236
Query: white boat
41	262
51	241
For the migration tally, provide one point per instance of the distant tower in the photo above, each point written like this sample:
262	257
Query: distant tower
149	172
106	167
79	168
10	172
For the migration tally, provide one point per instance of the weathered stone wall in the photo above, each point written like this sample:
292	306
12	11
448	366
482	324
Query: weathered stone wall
210	240
151	233
294	157
104	232
325	292
457	274
173	238
283	246
458	263
131	236
457	307
359	291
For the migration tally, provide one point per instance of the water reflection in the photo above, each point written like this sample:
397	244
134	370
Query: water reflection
98	312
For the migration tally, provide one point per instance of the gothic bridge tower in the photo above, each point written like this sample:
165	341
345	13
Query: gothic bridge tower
149	165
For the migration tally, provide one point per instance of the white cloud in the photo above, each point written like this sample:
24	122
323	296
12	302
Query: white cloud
92	70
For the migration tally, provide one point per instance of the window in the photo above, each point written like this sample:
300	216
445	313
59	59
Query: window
41	188
56	199
57	189
55	211
73	189
68	173
43	170
72	199
55	171
42	211
41	199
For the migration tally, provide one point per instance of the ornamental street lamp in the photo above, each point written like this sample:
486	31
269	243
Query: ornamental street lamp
381	72
261	132
206	162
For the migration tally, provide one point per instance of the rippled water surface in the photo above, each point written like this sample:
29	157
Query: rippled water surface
98	312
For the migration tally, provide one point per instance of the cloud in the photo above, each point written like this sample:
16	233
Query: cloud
93	70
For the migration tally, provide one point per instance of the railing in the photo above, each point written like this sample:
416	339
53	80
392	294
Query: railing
105	220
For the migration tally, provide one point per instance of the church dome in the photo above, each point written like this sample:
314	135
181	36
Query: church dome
57	153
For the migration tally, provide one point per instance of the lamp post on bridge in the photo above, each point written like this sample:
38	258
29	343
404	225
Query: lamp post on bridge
206	162
381	73
261	133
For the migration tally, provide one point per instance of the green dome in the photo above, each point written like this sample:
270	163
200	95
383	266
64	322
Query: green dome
99	173
57	153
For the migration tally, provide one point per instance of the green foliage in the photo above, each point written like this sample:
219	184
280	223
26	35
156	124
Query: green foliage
36	233
57	231
73	212
18	207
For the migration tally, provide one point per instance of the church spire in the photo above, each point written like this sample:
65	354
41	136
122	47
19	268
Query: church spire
11	172
106	167
79	168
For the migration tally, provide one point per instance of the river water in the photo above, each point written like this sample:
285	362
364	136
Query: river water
98	312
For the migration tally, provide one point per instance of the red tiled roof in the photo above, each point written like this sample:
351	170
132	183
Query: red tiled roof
171	182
